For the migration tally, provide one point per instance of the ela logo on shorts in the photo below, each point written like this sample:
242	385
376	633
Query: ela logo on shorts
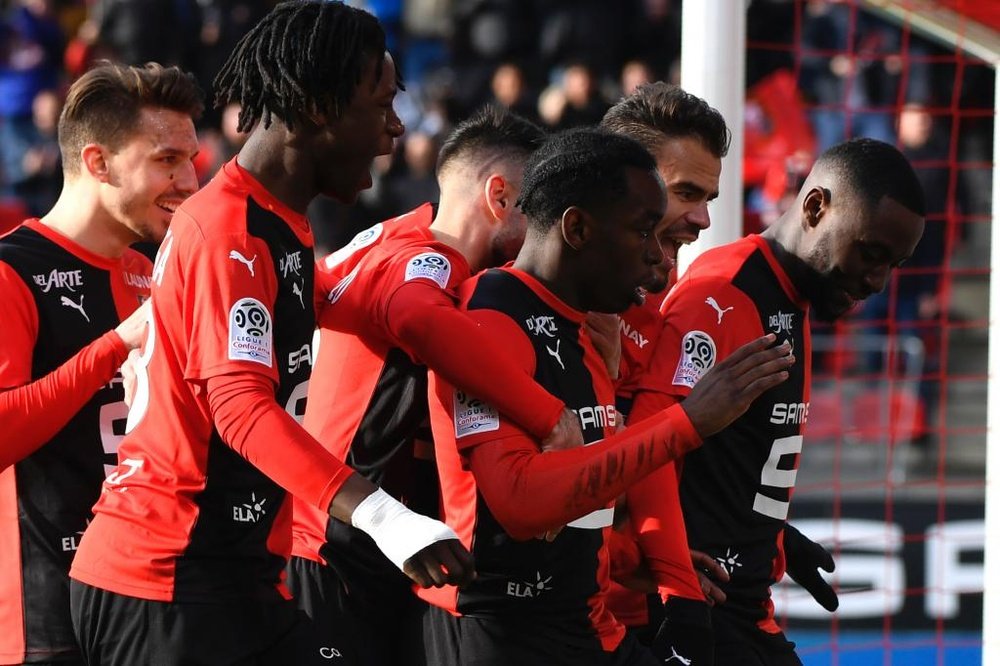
472	415
430	265
250	335
697	356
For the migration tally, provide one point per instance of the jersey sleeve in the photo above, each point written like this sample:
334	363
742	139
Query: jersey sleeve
695	337
425	322
250	422
228	302
20	328
530	492
33	412
655	511
476	420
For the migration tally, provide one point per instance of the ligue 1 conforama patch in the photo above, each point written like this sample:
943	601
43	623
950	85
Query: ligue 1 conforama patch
250	332
430	265
472	415
697	356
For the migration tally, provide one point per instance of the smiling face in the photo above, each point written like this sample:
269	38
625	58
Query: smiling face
346	147
623	253
691	174
854	250
151	173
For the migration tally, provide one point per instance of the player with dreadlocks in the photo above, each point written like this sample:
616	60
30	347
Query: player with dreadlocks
185	555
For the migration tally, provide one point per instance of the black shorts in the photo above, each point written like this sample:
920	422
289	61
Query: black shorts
473	641
116	630
740	642
336	625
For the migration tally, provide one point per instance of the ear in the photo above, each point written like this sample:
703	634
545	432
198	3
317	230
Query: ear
95	160
497	196
814	205
575	227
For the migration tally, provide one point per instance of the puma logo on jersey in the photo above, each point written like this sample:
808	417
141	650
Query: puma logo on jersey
65	300
59	279
718	309
554	353
633	334
684	660
235	254
297	290
292	263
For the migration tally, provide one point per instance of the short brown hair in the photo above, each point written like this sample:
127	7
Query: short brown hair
103	105
659	111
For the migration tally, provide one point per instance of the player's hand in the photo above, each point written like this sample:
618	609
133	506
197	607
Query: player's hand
803	560
445	562
725	392
129	376
709	571
685	635
604	331
133	329
566	434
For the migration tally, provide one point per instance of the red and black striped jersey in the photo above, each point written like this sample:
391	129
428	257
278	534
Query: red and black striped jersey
58	299
188	516
559	584
736	489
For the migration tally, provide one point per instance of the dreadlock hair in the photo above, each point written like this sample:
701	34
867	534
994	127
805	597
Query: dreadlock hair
305	57
579	167
872	169
659	111
492	130
104	105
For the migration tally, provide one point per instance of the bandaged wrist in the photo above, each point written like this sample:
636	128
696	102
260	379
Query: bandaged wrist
398	532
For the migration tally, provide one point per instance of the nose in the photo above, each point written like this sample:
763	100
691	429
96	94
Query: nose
654	251
877	278
394	125
700	217
186	181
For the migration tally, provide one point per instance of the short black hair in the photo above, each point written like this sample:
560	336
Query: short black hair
491	128
659	111
583	167
305	56
872	169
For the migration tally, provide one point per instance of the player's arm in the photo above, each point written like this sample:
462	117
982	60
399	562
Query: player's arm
250	421
425	321
530	492
33	412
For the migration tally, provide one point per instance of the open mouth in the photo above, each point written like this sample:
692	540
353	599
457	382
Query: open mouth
169	207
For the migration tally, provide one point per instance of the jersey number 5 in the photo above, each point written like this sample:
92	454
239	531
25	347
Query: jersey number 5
772	477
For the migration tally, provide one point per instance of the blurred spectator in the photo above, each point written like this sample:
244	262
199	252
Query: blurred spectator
778	146
31	44
635	73
42	166
511	91
139	31
850	68
415	182
574	100
218	146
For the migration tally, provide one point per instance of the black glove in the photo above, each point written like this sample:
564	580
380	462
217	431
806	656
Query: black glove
685	635
803	559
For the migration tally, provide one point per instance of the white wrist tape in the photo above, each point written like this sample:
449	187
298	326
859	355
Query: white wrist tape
397	531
